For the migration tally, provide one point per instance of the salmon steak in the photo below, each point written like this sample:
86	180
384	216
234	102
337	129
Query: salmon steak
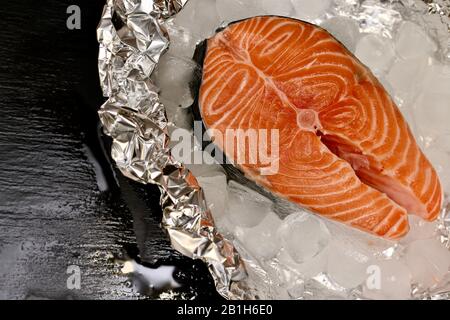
344	149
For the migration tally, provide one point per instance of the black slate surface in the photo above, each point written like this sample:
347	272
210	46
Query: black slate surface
62	202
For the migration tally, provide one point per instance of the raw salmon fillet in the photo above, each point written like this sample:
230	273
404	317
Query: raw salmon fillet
345	150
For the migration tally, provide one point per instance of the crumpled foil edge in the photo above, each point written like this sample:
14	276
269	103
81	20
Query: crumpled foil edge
132	38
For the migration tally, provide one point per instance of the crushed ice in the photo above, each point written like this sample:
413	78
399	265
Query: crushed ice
302	255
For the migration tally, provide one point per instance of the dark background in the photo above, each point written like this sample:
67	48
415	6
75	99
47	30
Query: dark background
62	202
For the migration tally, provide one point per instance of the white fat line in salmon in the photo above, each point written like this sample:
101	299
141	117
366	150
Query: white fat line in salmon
245	147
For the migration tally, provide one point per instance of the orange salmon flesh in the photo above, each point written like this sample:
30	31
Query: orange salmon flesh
345	150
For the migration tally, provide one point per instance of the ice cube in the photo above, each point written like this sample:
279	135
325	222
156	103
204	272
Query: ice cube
246	207
308	268
180	117
412	41
200	17
432	108
205	169
346	266
437	77
266	277
442	142
262	240
390	90
232	10
185	148
303	236
225	226
277	7
296	288
376	52
173	76
215	189
309	10
360	245
182	42
344	29
352	252
284	275
428	260
440	160
432	113
419	229
389	279
404	76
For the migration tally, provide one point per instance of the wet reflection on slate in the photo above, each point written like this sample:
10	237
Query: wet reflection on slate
61	201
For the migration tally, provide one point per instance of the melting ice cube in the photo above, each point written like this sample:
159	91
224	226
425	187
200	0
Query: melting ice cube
412	41
182	42
232	10
388	280
428	261
437	77
246	207
210	175
225	226
432	113
376	52
304	236
346	266
200	17
405	78
390	90
432	108
353	253
180	117
360	245
419	229
261	240
264	275
296	289
306	269
277	7
215	188
344	29
442	142
304	239
173	76
309	10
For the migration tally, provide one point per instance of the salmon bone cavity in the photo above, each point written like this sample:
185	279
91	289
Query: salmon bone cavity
308	120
